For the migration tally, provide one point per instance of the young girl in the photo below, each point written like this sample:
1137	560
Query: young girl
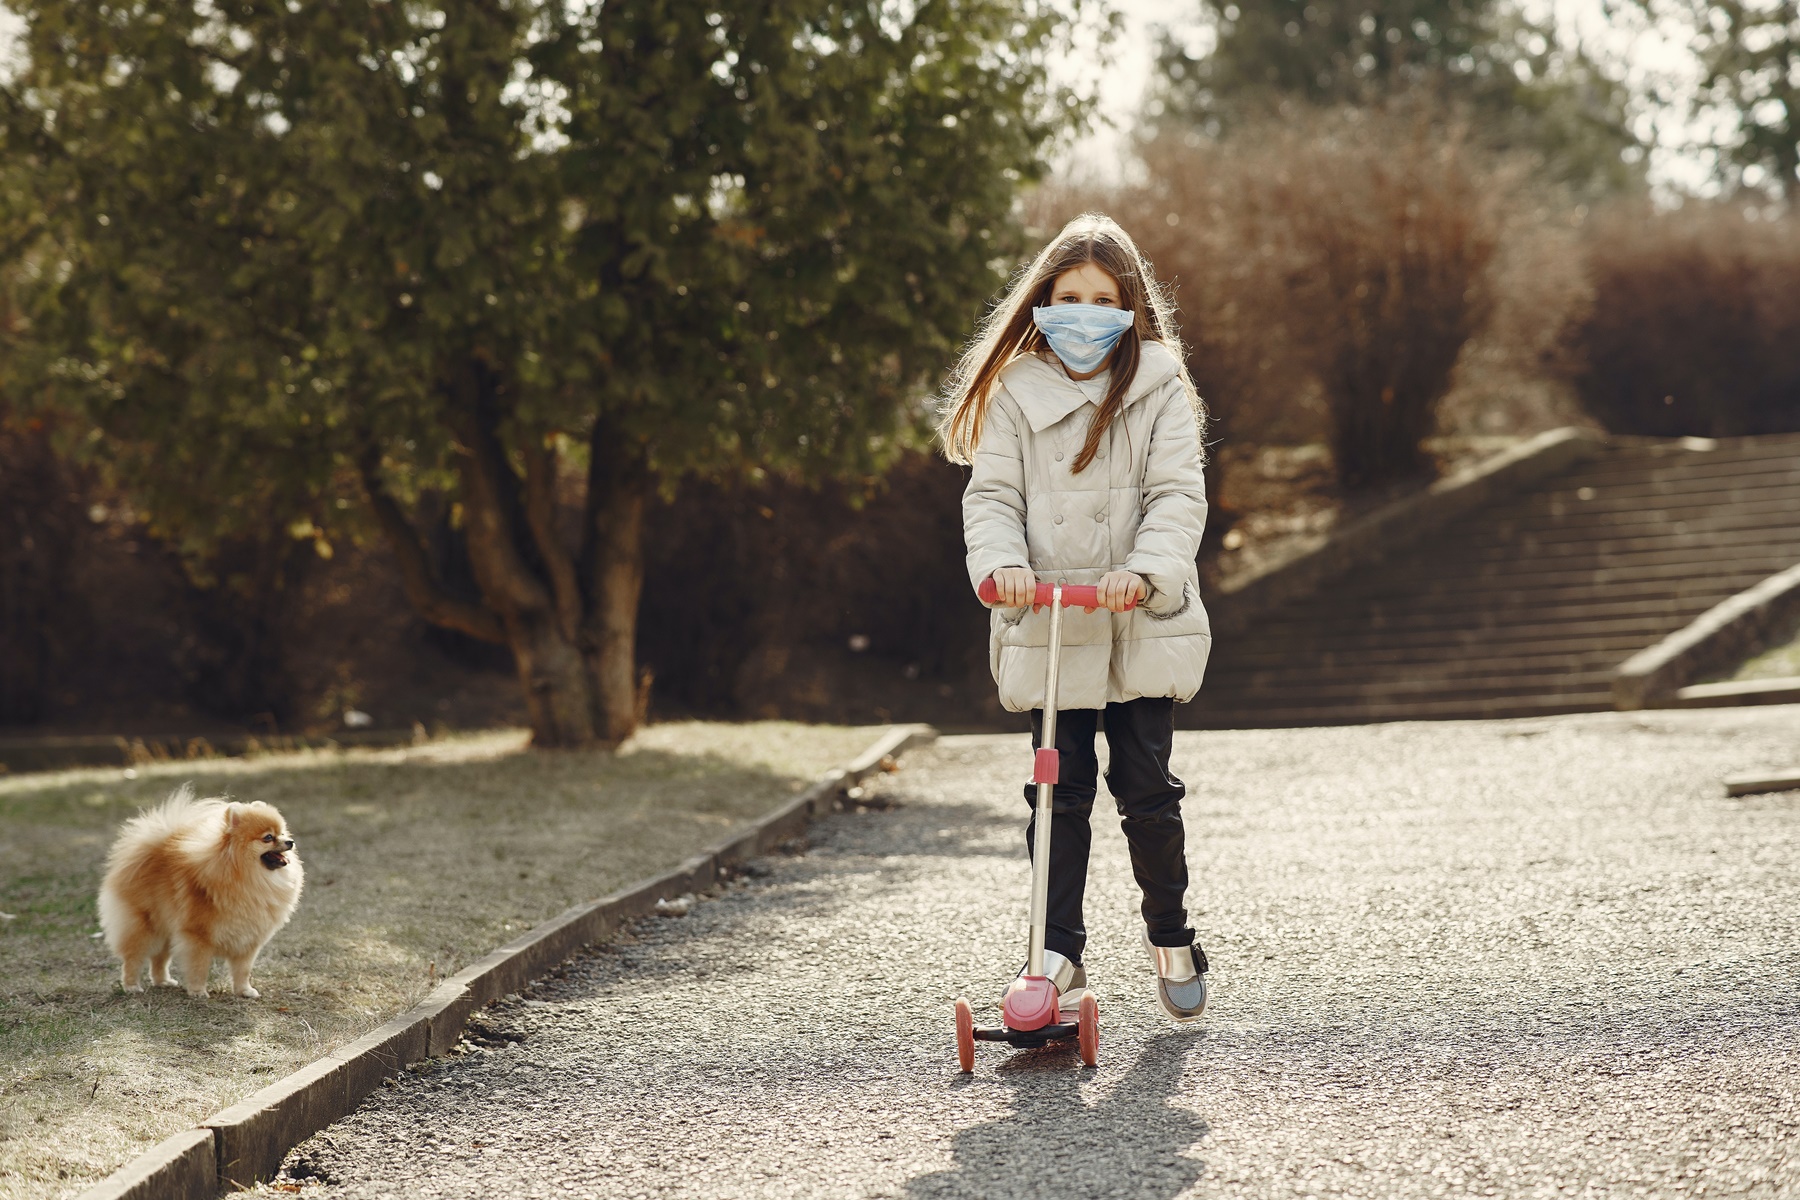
1074	408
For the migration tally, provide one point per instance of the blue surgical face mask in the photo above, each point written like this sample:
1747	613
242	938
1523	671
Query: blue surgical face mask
1083	335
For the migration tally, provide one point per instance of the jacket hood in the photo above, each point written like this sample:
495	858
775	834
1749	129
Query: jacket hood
1046	394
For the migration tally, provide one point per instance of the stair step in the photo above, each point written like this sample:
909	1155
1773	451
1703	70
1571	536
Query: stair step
1439	579
1614	466
1782	470
1524	625
1675	603
1491	653
1353	694
1527	607
1776	534
1777	531
1753	513
1753	509
1672	579
1431	710
1376	652
1444	677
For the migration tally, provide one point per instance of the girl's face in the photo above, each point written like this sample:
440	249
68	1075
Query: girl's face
1086	284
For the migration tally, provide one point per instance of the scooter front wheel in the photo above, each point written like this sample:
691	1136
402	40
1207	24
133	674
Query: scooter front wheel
1088	1029
965	1036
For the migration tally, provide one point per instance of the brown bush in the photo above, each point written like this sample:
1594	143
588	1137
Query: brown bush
839	603
103	623
1331	270
1190	220
1389	230
1695	325
39	516
1514	377
829	603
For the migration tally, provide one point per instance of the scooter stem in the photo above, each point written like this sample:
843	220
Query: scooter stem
1040	838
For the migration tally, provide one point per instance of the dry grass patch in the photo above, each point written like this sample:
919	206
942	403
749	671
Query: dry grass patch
417	862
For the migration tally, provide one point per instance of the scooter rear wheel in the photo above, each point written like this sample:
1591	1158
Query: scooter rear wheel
1088	1029
965	1035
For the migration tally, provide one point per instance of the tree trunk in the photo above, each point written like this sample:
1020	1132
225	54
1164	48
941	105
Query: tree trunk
559	693
571	624
618	489
515	558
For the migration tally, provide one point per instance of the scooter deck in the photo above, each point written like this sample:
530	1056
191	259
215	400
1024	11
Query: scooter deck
1027	1039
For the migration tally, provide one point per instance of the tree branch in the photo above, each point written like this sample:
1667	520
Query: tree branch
540	514
423	590
490	507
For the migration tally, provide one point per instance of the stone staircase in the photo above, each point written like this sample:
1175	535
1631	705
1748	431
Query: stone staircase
1524	608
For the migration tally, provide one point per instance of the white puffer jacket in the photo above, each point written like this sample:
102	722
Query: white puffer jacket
1140	506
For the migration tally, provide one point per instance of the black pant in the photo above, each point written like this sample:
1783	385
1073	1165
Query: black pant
1140	735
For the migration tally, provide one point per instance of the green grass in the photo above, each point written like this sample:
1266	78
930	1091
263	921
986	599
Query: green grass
417	862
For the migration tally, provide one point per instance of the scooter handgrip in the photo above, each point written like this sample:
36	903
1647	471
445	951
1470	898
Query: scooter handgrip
1075	595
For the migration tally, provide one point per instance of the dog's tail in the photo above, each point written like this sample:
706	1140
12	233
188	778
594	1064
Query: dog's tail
152	825
168	816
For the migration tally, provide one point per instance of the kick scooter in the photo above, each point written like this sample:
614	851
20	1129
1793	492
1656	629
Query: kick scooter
1029	1013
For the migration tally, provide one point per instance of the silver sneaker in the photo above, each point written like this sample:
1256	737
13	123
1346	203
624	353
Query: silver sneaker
1180	979
1068	978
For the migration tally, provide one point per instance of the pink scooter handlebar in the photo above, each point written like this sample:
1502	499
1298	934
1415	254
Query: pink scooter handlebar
1075	595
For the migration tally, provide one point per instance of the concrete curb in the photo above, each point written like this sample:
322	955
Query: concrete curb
1389	530
1749	785
183	1165
1783	690
246	1142
1653	677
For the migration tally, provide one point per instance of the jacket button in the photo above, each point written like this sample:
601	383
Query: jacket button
1059	520
1099	516
1059	456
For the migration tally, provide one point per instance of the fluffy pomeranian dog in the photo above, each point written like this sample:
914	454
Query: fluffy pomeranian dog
196	880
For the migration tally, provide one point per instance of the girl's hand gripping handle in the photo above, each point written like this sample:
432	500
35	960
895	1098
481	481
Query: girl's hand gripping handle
1074	595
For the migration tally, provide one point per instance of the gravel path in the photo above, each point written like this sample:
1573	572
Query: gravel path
1500	958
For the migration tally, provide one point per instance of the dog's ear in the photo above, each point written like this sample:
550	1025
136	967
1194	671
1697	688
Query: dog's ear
231	817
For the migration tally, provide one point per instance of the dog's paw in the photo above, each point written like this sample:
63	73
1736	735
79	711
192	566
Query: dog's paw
249	993
136	987
166	981
197	993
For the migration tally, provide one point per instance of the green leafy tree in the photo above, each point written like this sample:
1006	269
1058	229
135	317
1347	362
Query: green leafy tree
301	263
1524	87
1750	59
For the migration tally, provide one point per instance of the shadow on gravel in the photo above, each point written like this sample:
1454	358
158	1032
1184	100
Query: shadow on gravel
938	830
1129	1142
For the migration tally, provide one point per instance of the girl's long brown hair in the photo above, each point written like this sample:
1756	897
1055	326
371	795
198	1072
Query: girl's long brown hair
1009	332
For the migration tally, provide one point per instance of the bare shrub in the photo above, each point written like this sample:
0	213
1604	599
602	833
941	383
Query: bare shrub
1190	219
39	518
1330	270
1389	227
1515	376
842	602
1695	325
